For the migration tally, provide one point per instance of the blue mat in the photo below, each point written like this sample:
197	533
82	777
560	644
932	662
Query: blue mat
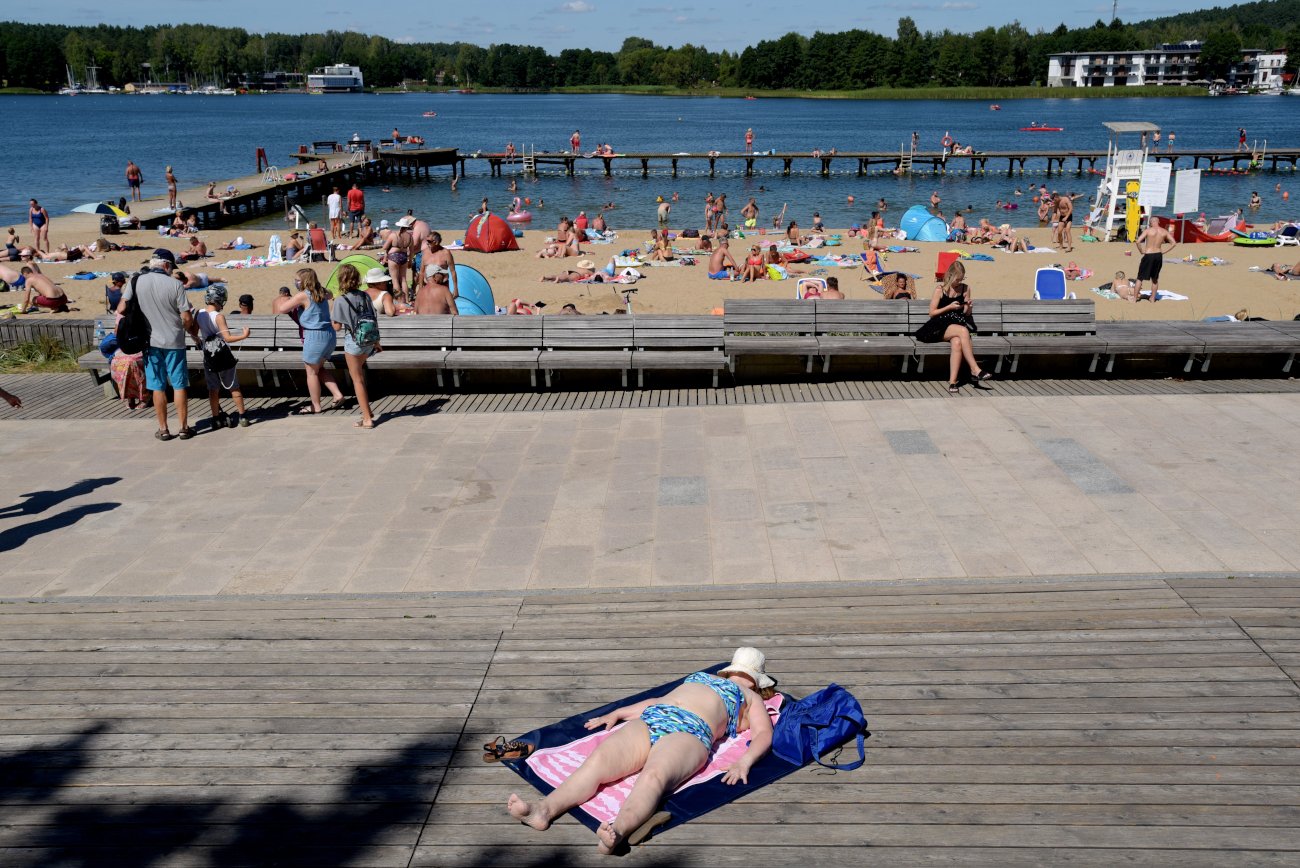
685	805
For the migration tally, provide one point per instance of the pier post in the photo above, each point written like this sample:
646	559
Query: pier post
645	167
749	167
674	167
862	167
609	165
713	166
786	171
826	166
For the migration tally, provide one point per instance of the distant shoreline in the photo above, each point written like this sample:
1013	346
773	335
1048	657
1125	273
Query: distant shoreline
877	93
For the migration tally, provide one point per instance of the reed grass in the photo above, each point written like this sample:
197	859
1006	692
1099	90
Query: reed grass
44	355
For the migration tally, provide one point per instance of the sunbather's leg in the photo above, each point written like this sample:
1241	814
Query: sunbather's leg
673	759
618	756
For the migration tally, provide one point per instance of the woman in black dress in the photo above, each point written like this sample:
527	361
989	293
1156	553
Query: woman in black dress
950	320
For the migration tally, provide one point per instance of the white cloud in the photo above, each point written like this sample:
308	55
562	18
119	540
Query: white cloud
577	6
958	7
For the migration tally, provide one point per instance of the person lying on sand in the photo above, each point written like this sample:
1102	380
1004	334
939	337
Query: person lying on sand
1282	271
584	272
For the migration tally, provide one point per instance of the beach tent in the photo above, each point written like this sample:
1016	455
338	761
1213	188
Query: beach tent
918	224
360	261
488	233
473	293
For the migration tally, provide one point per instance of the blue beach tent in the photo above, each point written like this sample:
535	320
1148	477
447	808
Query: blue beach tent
918	224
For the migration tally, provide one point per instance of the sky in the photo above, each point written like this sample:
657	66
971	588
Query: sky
603	24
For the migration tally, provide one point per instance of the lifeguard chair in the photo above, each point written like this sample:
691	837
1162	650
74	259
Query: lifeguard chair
1123	165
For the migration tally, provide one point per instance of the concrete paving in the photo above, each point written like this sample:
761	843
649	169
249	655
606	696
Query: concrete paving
846	491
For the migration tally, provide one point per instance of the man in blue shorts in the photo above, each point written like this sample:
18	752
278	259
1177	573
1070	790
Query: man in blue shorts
163	302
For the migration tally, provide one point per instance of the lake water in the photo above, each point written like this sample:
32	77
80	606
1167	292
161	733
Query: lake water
81	145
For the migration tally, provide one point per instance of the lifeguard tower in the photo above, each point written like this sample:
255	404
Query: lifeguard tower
1117	193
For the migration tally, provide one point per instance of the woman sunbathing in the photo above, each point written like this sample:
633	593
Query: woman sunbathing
754	268
1282	271
584	272
664	742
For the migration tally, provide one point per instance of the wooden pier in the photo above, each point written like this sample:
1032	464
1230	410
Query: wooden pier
1055	162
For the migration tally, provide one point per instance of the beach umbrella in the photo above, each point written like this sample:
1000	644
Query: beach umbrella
99	208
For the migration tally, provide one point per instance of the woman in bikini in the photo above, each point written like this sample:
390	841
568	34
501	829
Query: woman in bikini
754	268
397	253
171	188
664	741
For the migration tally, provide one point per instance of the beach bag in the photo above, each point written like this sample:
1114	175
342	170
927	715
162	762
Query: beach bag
217	355
690	233
366	332
133	328
819	723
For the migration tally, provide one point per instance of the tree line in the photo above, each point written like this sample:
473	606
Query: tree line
37	55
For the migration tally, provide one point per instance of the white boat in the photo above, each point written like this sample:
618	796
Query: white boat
74	87
337	78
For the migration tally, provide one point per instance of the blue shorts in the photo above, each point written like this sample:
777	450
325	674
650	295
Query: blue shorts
724	274
664	719
352	348
163	368
317	345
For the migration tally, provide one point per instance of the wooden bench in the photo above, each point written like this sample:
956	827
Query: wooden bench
251	353
780	327
1254	338
495	343
862	328
677	342
1061	327
1148	338
585	343
324	147
414	343
986	341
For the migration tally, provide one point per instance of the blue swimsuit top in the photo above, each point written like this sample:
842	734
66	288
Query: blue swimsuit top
728	691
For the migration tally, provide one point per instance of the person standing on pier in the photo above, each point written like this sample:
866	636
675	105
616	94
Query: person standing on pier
334	202
134	178
1171	141
356	209
1155	140
575	142
1241	138
749	140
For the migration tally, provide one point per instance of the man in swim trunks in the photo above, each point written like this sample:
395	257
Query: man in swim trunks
750	213
433	296
134	178
47	295
1151	243
575	142
356	209
664	208
721	265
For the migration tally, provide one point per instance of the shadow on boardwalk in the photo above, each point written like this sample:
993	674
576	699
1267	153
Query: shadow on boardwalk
390	792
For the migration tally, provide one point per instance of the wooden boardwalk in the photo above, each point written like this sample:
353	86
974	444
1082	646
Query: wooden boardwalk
1102	722
75	396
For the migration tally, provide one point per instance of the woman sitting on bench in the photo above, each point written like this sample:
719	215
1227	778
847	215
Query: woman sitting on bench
664	741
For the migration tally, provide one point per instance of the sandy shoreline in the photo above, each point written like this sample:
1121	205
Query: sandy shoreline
1211	291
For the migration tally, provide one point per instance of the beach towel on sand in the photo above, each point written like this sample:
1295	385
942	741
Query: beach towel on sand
562	746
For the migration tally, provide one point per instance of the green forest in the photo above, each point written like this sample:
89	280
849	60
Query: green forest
35	56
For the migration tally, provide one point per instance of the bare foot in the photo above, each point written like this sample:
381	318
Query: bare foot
609	839
527	813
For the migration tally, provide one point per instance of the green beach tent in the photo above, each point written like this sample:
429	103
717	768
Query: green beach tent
360	261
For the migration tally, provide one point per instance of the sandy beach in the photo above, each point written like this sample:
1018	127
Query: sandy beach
1211	290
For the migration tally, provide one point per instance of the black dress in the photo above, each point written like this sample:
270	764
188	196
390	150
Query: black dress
931	331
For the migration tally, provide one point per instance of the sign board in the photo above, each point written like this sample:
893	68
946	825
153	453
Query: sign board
1187	191
1154	192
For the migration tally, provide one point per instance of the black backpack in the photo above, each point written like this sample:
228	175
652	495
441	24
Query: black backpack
133	327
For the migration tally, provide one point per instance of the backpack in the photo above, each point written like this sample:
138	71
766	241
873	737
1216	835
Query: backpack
819	723
133	328
366	331
217	355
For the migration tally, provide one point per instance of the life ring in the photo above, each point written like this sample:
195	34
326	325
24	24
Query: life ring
947	141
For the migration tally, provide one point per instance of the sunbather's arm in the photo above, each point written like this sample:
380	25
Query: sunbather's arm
760	741
618	715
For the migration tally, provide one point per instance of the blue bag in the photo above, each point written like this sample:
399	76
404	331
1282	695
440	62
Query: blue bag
819	723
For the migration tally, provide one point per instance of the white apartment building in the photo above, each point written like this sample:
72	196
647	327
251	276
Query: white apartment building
1173	63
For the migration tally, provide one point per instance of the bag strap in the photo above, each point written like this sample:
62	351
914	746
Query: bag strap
852	764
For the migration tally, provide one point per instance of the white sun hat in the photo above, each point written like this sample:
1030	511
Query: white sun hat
749	661
406	221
